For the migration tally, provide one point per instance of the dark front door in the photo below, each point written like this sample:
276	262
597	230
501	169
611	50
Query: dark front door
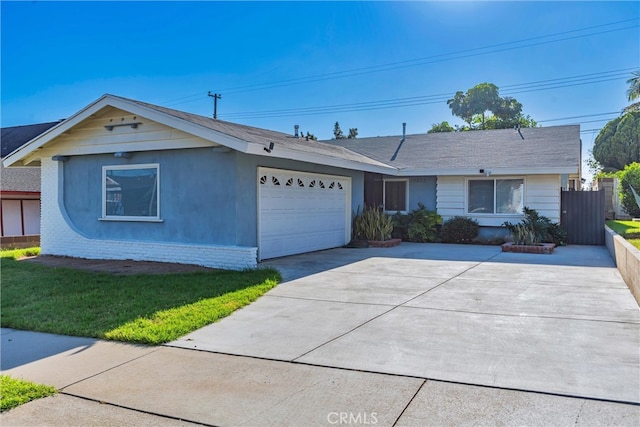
373	190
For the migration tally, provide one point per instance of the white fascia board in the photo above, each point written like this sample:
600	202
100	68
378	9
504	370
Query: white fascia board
319	159
105	101
493	171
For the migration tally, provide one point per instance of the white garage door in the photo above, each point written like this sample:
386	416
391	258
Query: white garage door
301	212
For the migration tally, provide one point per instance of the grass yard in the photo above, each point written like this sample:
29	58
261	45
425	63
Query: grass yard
15	392
147	309
630	230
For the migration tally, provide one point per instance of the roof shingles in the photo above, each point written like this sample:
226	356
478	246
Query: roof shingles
551	147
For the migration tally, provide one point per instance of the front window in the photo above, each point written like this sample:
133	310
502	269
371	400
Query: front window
130	192
395	196
495	196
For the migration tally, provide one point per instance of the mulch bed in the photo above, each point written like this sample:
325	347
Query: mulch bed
123	267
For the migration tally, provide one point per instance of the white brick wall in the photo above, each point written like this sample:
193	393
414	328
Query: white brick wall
59	237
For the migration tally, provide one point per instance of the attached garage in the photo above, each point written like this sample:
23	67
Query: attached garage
301	212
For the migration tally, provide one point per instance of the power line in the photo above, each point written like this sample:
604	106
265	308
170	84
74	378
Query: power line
578	117
411	62
426	60
428	99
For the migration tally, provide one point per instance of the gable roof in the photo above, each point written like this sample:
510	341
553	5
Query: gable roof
553	149
16	136
238	137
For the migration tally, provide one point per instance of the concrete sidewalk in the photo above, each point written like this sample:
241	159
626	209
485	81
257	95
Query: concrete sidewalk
113	384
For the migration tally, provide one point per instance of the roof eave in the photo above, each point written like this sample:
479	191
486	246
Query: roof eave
560	170
316	158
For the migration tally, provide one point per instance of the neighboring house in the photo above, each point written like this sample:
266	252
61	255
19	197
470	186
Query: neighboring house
485	175
20	190
123	179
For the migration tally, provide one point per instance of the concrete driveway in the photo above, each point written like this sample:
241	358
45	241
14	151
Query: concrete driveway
562	324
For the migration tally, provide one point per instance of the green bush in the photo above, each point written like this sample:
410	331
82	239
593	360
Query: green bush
630	176
536	228
423	225
372	224
459	229
401	226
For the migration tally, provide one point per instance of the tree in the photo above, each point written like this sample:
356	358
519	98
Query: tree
311	137
472	107
353	133
618	143
633	92
441	127
630	176
337	132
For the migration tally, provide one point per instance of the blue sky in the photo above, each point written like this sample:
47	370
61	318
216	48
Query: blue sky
346	57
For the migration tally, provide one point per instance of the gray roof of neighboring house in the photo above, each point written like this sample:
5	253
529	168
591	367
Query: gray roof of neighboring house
263	136
16	136
550	147
23	179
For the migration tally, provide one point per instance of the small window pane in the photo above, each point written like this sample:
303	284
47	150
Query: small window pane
509	196
480	196
395	196
132	192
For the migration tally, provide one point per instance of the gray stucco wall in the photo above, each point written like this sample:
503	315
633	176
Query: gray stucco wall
197	197
422	189
205	197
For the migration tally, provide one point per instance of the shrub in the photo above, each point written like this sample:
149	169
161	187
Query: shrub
372	224
630	176
459	229
423	225
401	226
536	228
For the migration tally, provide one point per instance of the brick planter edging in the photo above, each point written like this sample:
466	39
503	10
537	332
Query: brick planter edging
384	244
543	248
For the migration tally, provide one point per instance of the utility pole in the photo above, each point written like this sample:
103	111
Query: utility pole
215	97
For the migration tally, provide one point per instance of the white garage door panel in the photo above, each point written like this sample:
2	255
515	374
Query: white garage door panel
302	212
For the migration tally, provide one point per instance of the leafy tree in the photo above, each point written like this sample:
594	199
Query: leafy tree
353	133
311	137
441	127
633	92
337	132
473	106
630	176
618	143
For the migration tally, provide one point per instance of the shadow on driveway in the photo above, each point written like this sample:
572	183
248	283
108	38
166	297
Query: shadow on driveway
298	266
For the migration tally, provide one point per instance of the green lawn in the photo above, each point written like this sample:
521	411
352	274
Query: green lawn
630	230
15	392
148	309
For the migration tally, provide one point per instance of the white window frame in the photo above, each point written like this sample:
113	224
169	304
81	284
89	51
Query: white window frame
406	195
494	214
106	217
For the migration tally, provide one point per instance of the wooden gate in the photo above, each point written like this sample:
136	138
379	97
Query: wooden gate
583	217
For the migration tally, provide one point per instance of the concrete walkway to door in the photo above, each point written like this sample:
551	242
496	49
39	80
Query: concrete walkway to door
561	324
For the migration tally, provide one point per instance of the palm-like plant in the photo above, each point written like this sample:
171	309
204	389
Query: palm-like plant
633	92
